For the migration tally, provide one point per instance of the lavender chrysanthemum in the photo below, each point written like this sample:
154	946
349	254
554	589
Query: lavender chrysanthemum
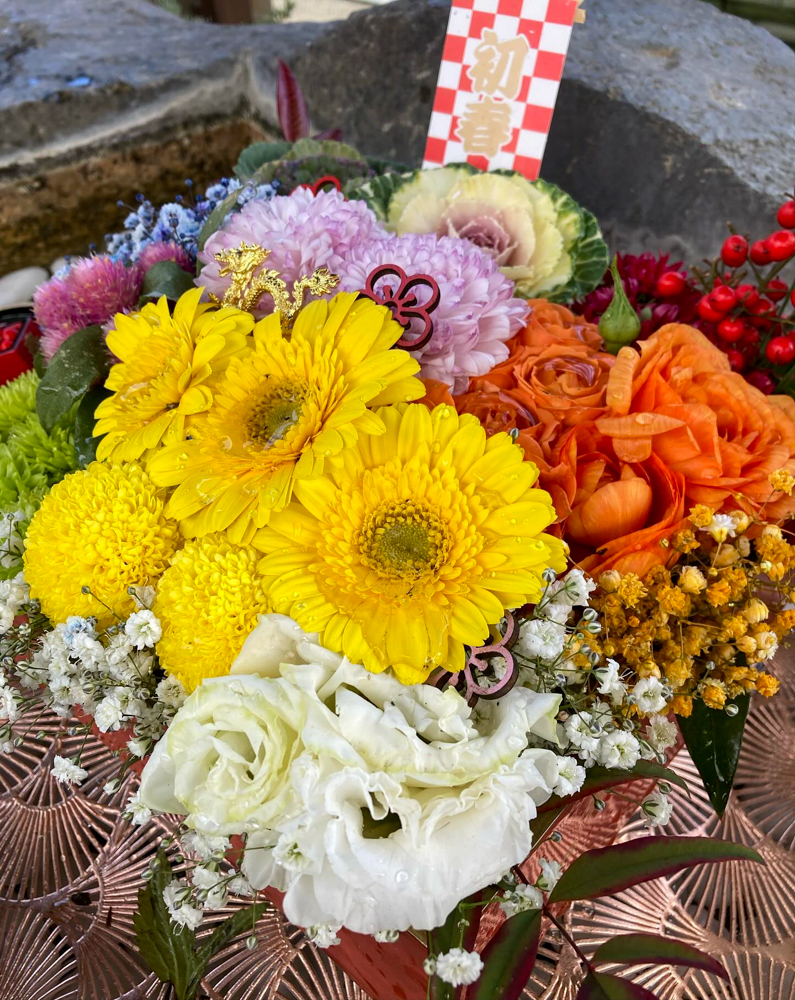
303	231
93	290
477	310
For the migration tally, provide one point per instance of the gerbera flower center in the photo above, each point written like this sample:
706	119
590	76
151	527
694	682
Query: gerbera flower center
275	410
404	539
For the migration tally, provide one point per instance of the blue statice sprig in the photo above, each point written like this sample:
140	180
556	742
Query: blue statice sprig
179	221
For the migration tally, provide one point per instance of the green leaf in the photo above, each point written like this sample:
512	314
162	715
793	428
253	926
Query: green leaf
39	364
713	739
253	156
601	986
241	920
167	950
599	778
166	278
377	191
608	870
651	949
80	362
509	958
215	219
85	442
305	148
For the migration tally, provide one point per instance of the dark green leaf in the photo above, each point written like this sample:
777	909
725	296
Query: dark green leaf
80	362
215	219
242	920
601	986
545	820
713	739
39	364
253	156
608	870
167	950
167	278
85	442
651	949
509	958
599	778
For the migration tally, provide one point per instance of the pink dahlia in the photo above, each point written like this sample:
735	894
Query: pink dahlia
477	311
92	291
303	231
157	252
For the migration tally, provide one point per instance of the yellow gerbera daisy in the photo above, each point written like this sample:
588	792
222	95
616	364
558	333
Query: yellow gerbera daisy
207	602
280	413
414	544
102	528
165	372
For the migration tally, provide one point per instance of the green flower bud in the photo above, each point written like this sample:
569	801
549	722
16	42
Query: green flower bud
620	324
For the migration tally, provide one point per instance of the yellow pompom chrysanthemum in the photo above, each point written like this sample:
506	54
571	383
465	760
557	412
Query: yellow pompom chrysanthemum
414	544
166	371
278	415
103	528
207	602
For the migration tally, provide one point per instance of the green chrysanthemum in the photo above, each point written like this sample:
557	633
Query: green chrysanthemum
31	460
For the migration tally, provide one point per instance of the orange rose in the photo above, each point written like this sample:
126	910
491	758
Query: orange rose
620	511
675	397
551	324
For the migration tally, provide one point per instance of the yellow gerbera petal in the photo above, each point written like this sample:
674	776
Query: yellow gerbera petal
165	364
401	552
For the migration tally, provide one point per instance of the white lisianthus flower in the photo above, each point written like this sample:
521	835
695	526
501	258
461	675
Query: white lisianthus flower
550	874
143	629
618	749
67	772
648	696
657	809
352	786
458	967
523	897
181	912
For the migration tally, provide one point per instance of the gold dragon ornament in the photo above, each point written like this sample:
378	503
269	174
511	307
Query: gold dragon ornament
247	287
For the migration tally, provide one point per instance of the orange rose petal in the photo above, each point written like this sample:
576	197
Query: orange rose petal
615	510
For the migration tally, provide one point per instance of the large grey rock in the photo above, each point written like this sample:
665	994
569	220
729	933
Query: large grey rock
672	117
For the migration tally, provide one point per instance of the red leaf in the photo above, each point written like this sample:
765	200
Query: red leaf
601	986
608	870
290	105
650	949
509	958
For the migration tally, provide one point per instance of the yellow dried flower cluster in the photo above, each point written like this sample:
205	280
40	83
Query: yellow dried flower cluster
701	625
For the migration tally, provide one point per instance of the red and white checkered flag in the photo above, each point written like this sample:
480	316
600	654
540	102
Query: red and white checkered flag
501	68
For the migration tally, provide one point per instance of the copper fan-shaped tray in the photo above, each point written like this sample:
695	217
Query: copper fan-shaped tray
70	870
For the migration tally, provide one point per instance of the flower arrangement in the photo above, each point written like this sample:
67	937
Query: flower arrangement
370	583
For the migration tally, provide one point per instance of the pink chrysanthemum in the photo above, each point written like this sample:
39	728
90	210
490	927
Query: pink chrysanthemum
157	252
93	290
303	231
477	311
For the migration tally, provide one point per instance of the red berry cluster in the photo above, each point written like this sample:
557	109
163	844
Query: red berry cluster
742	309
